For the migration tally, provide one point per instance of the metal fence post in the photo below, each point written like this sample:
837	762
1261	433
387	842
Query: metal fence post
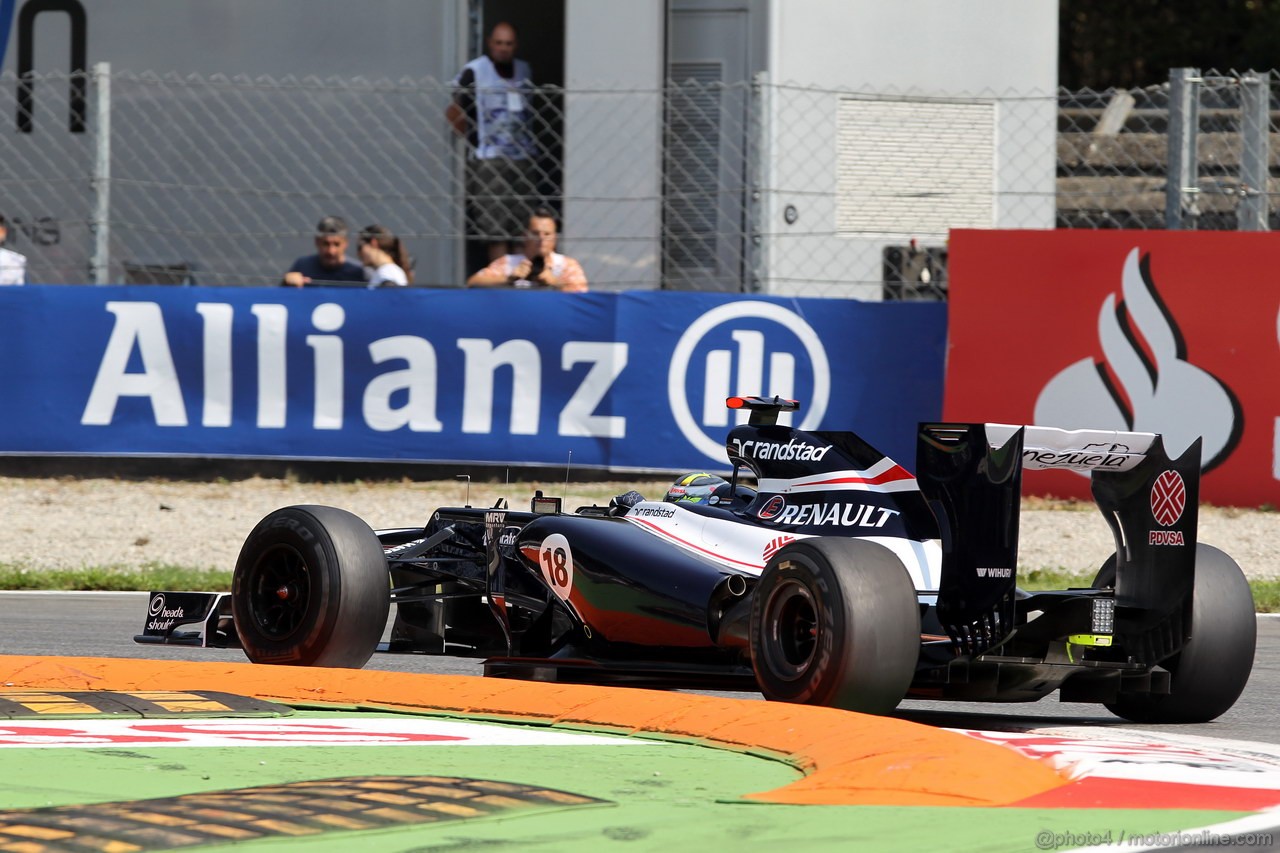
755	243
1255	133
100	224
1183	180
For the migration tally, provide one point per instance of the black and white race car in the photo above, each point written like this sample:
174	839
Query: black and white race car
839	579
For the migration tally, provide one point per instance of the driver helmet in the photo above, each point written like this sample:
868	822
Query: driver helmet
700	487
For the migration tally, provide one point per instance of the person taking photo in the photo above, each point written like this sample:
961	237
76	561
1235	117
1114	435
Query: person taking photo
539	265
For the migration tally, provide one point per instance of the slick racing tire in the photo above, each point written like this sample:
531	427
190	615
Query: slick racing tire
835	622
311	588
1211	670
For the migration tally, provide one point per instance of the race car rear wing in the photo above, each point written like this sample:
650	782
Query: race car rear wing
971	475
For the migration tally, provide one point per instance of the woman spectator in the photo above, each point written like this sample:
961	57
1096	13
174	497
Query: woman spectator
386	263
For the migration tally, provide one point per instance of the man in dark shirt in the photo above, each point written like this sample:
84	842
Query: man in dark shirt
330	264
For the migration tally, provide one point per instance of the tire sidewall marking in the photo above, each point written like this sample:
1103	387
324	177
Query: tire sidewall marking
289	532
800	570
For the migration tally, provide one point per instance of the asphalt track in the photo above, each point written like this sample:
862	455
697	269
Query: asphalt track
695	772
103	624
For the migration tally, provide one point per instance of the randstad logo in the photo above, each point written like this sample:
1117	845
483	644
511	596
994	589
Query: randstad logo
756	348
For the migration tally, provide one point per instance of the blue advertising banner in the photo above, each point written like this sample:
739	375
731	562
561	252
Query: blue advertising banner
627	381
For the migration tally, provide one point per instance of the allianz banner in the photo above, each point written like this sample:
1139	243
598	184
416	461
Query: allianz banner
1172	332
620	381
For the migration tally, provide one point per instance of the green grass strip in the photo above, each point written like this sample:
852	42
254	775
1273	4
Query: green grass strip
1266	593
115	578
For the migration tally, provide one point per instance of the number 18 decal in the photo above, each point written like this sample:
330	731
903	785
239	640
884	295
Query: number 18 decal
555	558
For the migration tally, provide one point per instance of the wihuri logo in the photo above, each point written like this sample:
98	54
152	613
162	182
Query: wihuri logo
1151	389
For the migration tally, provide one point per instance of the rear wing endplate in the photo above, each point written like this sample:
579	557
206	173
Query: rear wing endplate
971	475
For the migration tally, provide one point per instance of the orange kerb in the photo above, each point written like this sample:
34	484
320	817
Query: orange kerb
847	759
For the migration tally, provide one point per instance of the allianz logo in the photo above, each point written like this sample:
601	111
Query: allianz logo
748	347
405	396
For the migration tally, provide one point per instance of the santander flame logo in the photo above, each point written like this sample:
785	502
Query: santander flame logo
1151	389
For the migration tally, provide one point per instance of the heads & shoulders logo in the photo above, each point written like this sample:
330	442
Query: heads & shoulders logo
754	362
1152	389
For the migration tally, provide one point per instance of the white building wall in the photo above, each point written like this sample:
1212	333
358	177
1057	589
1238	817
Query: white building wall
971	50
932	45
613	139
326	38
250	39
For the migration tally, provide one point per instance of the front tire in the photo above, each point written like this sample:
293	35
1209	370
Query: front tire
1211	671
311	588
835	622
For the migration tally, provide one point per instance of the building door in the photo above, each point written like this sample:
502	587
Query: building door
540	42
706	153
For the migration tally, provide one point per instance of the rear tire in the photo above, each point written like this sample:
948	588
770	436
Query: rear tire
311	588
835	622
1211	671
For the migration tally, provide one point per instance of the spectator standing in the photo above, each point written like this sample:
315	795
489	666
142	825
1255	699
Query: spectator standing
491	109
13	266
386	263
330	263
540	265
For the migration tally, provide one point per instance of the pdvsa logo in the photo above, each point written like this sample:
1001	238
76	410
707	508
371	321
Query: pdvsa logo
776	545
1168	498
754	348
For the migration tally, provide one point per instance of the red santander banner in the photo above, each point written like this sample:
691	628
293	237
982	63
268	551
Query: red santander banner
1175	332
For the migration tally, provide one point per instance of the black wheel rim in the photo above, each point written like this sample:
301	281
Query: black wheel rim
279	587
792	620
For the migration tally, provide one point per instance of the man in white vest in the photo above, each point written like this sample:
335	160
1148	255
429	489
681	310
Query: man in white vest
13	267
492	109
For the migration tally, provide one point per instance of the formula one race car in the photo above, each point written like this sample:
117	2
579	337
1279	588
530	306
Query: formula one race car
839	580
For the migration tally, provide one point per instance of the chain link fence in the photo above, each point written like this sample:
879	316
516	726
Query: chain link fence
1192	153
743	187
